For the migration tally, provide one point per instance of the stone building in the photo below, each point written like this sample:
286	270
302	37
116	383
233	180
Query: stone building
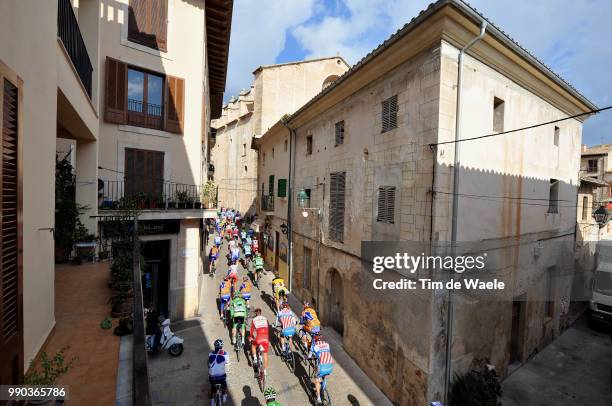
374	154
596	163
276	90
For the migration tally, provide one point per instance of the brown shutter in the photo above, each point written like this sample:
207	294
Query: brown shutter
11	284
116	91
337	205
147	24
175	104
144	172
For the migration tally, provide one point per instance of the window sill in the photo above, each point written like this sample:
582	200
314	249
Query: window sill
142	48
145	131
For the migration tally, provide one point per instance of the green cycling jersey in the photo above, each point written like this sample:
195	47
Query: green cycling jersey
238	307
273	403
259	262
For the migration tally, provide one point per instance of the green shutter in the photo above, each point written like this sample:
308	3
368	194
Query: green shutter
282	188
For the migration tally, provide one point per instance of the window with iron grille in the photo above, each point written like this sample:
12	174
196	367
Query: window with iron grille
336	206
389	113
339	133
386	204
271	185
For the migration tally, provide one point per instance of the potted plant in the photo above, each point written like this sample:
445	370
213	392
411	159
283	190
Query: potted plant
197	204
183	199
209	191
161	201
47	373
125	327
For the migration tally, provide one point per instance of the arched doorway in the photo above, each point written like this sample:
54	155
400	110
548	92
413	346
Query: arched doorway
336	302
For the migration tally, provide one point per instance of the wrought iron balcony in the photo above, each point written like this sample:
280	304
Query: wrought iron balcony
145	114
118	194
267	202
69	32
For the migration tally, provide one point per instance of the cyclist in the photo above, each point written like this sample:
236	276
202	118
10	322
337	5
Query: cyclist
245	289
218	366
212	258
232	274
248	254
225	291
259	265
255	244
270	396
278	290
235	233
311	323
243	236
320	351
258	335
288	320
238	314
218	240
235	253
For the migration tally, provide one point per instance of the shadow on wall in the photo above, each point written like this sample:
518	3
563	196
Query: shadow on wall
526	225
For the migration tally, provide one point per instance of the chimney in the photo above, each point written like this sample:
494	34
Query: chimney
584	147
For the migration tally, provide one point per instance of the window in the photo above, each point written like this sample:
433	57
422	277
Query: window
271	185
389	114
263	160
498	115
339	133
556	136
307	268
329	80
553	196
336	206
550	292
592	165
309	145
585	208
386	205
282	188
144	173
143	98
286	145
11	270
272	153
307	203
148	23
244	149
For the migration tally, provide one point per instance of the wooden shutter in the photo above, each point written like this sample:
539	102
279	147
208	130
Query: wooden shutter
337	205
144	173
116	92
11	283
148	23
282	188
175	104
386	204
389	113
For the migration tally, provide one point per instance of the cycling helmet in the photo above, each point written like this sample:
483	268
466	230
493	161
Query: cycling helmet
306	303
285	305
257	311
218	344
270	393
318	337
245	279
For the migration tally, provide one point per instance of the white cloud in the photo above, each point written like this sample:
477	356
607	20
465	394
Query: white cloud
258	36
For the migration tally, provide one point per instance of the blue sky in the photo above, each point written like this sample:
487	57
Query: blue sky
573	37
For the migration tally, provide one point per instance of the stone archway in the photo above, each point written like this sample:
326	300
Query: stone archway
335	303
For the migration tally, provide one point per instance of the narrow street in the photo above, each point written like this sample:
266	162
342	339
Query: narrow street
184	380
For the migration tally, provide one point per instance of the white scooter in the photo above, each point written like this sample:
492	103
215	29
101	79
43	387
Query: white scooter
169	341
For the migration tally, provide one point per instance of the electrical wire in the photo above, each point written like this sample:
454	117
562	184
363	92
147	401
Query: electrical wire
596	111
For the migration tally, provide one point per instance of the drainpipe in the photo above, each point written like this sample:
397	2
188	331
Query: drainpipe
290	203
456	164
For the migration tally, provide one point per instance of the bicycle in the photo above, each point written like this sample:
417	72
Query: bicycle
287	354
213	269
312	373
239	345
217	396
261	373
258	273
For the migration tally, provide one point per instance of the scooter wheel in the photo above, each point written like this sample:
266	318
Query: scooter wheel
175	350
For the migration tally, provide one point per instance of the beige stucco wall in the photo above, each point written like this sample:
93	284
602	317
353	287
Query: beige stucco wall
23	50
183	153
276	90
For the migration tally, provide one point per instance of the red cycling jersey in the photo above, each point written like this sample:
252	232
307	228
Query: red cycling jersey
259	332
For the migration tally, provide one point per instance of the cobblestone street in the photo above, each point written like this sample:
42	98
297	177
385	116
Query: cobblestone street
184	380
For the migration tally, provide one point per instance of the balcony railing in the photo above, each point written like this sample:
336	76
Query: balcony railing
70	34
113	195
145	114
267	203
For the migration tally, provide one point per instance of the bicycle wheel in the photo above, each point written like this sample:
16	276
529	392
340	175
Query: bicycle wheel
238	345
325	397
261	377
291	360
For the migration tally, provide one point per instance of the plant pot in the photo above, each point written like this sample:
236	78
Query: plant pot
172	205
182	205
197	205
